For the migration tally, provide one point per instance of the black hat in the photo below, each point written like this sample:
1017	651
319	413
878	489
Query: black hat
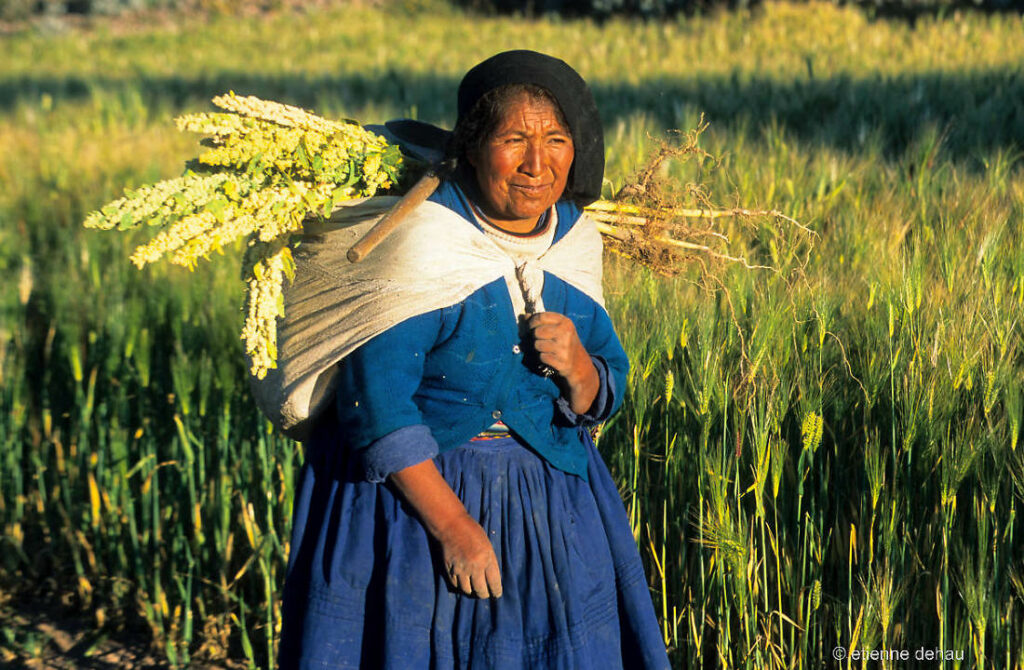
566	86
573	96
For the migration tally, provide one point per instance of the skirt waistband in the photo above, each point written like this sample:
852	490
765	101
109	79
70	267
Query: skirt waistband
496	430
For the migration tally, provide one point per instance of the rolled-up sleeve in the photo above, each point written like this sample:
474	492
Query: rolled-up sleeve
398	450
376	406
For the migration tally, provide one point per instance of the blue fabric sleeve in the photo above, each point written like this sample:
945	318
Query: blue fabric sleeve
395	451
376	409
603	342
612	367
602	408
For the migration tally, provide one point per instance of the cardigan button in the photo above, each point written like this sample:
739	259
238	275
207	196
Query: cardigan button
516	349
496	414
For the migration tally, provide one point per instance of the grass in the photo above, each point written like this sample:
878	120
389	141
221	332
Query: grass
823	455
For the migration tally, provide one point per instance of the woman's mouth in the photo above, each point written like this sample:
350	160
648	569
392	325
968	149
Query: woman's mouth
531	190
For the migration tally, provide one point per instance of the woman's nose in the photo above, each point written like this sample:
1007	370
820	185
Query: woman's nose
533	159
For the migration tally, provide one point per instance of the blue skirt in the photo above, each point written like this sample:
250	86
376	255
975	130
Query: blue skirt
365	589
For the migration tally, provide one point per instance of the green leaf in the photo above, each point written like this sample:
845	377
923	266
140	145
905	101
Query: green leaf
300	155
392	155
353	174
338	197
126	222
217	207
289	268
230	189
255	166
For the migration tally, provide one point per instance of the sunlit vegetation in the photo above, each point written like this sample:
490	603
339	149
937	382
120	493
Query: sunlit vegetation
822	453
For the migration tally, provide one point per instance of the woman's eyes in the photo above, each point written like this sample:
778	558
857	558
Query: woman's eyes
514	141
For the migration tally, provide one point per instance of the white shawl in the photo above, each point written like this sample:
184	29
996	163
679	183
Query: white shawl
435	259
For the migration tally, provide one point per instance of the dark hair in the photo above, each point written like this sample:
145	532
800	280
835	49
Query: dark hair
474	129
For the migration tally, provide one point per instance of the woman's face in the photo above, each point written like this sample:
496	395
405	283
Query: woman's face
523	166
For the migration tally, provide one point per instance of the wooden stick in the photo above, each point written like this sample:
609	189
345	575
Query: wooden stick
416	195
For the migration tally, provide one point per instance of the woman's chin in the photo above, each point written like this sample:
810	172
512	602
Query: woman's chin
530	207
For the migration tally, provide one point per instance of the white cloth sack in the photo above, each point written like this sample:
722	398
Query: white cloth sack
434	259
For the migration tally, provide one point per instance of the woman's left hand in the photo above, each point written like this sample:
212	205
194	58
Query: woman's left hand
558	346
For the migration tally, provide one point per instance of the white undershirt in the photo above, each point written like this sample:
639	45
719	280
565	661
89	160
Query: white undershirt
521	248
526	287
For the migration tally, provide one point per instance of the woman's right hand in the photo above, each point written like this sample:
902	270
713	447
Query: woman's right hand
470	564
469	561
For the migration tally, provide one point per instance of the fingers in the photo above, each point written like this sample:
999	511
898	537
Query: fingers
460	580
466	584
556	360
550	333
547	346
546	318
493	576
486	583
470	563
552	326
555	340
480	582
479	585
547	324
451	574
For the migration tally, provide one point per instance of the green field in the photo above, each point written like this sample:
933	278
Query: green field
823	453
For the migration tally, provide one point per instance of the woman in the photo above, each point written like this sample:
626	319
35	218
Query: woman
453	511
